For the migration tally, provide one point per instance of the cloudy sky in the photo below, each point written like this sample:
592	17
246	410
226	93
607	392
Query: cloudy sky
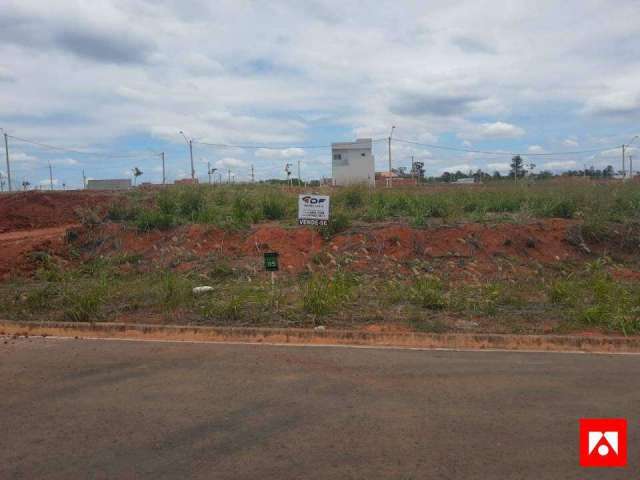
116	80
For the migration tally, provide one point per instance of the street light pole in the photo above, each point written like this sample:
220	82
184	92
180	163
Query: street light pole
624	170
164	178
390	137
190	143
6	151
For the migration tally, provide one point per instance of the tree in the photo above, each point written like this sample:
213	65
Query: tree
607	172
136	173
517	167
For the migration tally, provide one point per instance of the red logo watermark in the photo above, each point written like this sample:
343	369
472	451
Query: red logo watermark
603	442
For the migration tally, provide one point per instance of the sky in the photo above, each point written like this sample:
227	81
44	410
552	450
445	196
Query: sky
113	82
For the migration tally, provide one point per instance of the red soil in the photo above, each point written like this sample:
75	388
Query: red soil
29	210
468	251
37	221
17	248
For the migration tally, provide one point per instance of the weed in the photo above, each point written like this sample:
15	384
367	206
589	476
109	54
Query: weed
322	295
148	220
83	304
175	291
427	292
274	207
428	325
338	222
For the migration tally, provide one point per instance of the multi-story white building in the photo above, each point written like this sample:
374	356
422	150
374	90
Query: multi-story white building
353	163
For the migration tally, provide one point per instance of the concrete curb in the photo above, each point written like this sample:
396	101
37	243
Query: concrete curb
474	341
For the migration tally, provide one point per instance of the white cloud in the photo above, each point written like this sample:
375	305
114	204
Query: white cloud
559	165
299	71
570	142
491	131
281	153
65	161
231	163
21	157
46	182
500	166
535	149
464	168
500	130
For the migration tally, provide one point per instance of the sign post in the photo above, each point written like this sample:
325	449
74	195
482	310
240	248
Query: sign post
313	209
271	265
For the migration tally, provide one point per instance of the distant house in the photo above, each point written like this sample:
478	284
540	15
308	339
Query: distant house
353	162
466	181
186	181
109	184
393	179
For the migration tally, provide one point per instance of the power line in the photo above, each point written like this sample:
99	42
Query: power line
282	147
484	152
80	152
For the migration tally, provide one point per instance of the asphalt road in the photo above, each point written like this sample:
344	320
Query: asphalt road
119	409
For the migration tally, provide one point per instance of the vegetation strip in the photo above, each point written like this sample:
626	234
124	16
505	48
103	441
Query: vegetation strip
592	344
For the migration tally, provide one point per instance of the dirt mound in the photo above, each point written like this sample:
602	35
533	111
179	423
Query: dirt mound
25	251
34	210
467	251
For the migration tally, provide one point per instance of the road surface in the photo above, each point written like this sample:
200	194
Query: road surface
127	409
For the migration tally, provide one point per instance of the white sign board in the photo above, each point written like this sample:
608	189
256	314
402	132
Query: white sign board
313	209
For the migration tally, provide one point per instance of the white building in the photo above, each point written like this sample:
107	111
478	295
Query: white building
353	162
111	184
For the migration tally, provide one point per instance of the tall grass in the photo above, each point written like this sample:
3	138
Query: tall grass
241	205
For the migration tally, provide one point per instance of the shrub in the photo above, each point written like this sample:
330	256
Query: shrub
149	220
192	202
338	222
322	295
353	197
427	293
274	207
175	291
83	305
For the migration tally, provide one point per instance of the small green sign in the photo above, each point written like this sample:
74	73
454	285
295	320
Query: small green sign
271	261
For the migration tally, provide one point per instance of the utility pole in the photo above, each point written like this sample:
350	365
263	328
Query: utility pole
6	151
390	137
229	172
164	178
50	177
630	166
193	171
624	171
84	180
209	171
299	177
253	177
190	142
1	182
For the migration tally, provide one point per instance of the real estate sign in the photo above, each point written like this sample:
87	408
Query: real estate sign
313	209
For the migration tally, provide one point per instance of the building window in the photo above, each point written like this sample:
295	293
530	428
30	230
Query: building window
337	156
362	154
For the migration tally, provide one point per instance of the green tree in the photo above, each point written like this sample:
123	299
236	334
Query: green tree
517	167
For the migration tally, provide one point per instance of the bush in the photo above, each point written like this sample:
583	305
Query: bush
83	305
175	291
427	293
353	197
273	207
149	220
338	222
322	295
